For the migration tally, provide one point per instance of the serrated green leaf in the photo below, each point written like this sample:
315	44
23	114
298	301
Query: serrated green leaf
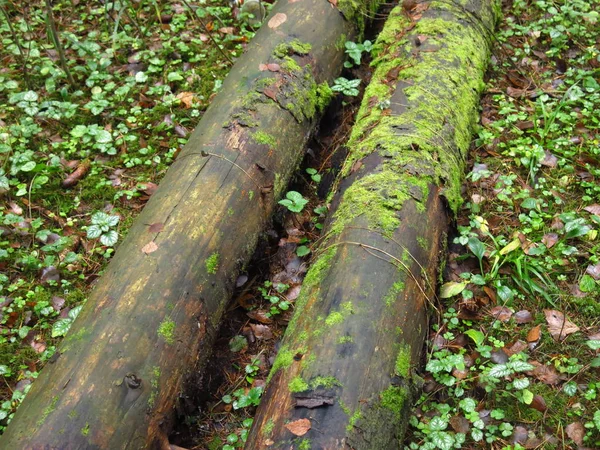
499	371
109	238
594	344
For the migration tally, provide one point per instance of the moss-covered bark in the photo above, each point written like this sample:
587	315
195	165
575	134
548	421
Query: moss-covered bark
361	317
150	322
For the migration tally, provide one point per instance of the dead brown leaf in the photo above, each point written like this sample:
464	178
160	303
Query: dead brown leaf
593	209
523	316
550	239
460	424
333	2
539	403
534	334
273	67
187	98
501	313
558	325
593	271
150	188
299	427
262	332
276	21
262	67
517	347
226	30
576	432
259	316
546	374
150	247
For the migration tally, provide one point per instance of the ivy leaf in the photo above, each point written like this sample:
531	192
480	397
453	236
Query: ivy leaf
109	238
94	231
499	371
61	327
442	440
438	424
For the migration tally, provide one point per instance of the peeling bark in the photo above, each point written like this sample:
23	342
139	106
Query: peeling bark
150	322
348	357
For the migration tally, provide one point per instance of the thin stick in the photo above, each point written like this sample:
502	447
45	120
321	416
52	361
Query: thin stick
57	44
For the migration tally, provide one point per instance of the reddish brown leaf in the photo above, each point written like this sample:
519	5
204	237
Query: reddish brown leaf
538	403
523	316
262	67
490	293
593	271
271	93
259	316
150	188
534	334
559	326
150	247
226	30
501	313
299	427
550	239
546	374
275	22
333	2
273	67
76	175
593	209
576	432
460	424
549	160
517	347
156	227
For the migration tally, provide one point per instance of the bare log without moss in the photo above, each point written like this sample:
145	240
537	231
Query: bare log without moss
150	322
345	369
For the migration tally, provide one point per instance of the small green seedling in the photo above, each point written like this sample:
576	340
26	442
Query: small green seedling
354	52
314	175
346	87
101	227
294	201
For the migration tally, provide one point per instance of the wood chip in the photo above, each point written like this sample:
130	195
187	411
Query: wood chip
150	247
277	20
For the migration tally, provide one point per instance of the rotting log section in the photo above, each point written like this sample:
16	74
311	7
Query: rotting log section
148	325
343	377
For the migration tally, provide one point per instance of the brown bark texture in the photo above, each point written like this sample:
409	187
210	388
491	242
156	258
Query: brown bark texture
149	324
344	375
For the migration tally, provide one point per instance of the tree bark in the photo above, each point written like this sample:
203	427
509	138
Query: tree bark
149	324
344	376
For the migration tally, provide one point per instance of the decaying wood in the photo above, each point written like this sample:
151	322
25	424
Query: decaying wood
149	323
347	361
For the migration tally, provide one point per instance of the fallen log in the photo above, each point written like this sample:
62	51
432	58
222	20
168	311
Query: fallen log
343	377
149	324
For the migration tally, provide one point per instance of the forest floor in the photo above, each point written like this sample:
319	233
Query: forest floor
513	357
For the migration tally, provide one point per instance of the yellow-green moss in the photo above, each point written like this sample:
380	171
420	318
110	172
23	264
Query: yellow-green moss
392	295
166	330
304	444
85	430
295	46
324	382
403	361
297	384
268	428
212	263
49	409
262	137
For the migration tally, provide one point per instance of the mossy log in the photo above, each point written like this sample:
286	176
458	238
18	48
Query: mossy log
344	376
149	324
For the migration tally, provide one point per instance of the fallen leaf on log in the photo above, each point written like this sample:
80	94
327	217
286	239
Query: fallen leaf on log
150	247
156	227
299	427
277	20
558	325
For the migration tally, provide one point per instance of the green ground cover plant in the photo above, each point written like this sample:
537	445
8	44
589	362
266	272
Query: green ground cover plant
96	100
513	361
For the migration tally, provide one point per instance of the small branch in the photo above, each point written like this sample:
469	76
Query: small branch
18	44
